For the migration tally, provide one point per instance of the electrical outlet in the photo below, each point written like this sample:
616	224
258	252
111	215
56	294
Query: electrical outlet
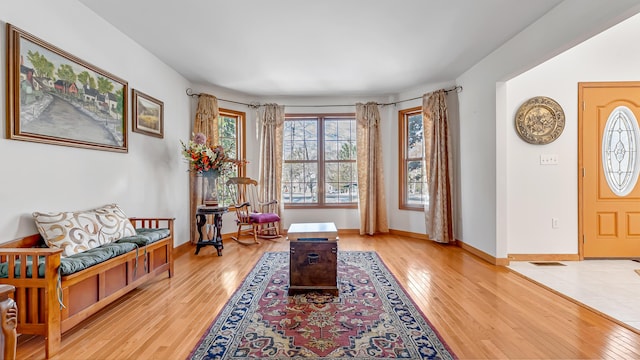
555	223
549	159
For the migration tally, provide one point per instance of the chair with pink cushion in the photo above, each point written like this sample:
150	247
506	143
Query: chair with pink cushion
253	216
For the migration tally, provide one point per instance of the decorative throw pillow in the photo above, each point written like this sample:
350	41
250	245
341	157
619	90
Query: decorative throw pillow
75	232
114	223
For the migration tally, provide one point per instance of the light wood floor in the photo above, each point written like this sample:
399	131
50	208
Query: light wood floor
480	310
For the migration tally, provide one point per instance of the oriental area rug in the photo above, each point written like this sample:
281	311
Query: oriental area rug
371	318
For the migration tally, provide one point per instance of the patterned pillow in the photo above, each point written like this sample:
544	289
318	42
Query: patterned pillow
75	232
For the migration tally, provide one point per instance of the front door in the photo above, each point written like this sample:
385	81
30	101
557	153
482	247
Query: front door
609	147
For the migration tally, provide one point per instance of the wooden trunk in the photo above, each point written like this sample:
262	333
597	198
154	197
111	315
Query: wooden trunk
313	265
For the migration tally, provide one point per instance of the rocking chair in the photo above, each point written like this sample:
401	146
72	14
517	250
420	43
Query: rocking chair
254	217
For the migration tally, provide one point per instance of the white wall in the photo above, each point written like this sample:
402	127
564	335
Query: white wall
552	191
149	180
483	132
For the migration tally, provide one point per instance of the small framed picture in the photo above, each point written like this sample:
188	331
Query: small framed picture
148	114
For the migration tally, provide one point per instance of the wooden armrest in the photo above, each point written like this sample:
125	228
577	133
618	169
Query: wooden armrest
153	223
30	251
21	257
239	206
152	218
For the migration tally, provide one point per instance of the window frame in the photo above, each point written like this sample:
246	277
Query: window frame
320	118
403	132
241	148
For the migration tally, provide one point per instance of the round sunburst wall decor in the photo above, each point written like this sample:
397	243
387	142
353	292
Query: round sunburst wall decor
540	120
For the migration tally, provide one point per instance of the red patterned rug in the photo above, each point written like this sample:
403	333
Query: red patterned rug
372	318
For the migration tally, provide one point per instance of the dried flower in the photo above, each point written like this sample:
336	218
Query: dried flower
203	158
200	138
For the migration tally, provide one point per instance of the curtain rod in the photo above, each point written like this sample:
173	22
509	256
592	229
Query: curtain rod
190	92
457	89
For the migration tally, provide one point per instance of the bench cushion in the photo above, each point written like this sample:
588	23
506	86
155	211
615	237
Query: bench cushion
146	236
78	262
74	263
75	232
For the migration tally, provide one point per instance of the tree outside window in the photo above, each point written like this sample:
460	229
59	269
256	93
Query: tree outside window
231	135
413	194
320	161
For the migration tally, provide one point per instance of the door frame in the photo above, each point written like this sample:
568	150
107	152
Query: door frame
581	106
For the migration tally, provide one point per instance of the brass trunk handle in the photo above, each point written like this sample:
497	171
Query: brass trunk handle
313	258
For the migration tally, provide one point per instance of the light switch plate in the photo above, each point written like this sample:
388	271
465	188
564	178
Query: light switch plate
549	159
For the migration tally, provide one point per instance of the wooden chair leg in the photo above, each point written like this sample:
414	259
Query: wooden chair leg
237	237
269	231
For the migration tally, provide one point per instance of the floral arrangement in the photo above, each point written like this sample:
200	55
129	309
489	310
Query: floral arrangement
203	158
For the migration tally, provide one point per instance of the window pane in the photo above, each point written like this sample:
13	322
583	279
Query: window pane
287	176
304	154
340	140
227	127
300	140
331	130
299	183
287	149
412	155
301	129
347	150
229	145
620	159
230	136
415	183
330	150
414	136
332	184
345	130
342	182
304	150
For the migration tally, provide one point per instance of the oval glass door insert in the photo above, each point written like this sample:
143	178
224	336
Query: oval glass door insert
620	161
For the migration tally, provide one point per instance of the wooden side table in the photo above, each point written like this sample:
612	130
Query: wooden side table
9	321
212	235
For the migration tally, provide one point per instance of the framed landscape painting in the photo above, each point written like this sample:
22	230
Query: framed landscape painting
54	97
148	114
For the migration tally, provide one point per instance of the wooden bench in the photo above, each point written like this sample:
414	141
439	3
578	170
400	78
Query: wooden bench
53	304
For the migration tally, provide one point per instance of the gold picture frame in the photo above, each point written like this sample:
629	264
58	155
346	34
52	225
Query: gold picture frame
148	114
56	98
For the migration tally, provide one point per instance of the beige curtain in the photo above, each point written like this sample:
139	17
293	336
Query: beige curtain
372	202
206	122
270	171
437	140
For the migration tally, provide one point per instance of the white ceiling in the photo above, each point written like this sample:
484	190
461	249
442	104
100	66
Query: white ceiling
319	48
